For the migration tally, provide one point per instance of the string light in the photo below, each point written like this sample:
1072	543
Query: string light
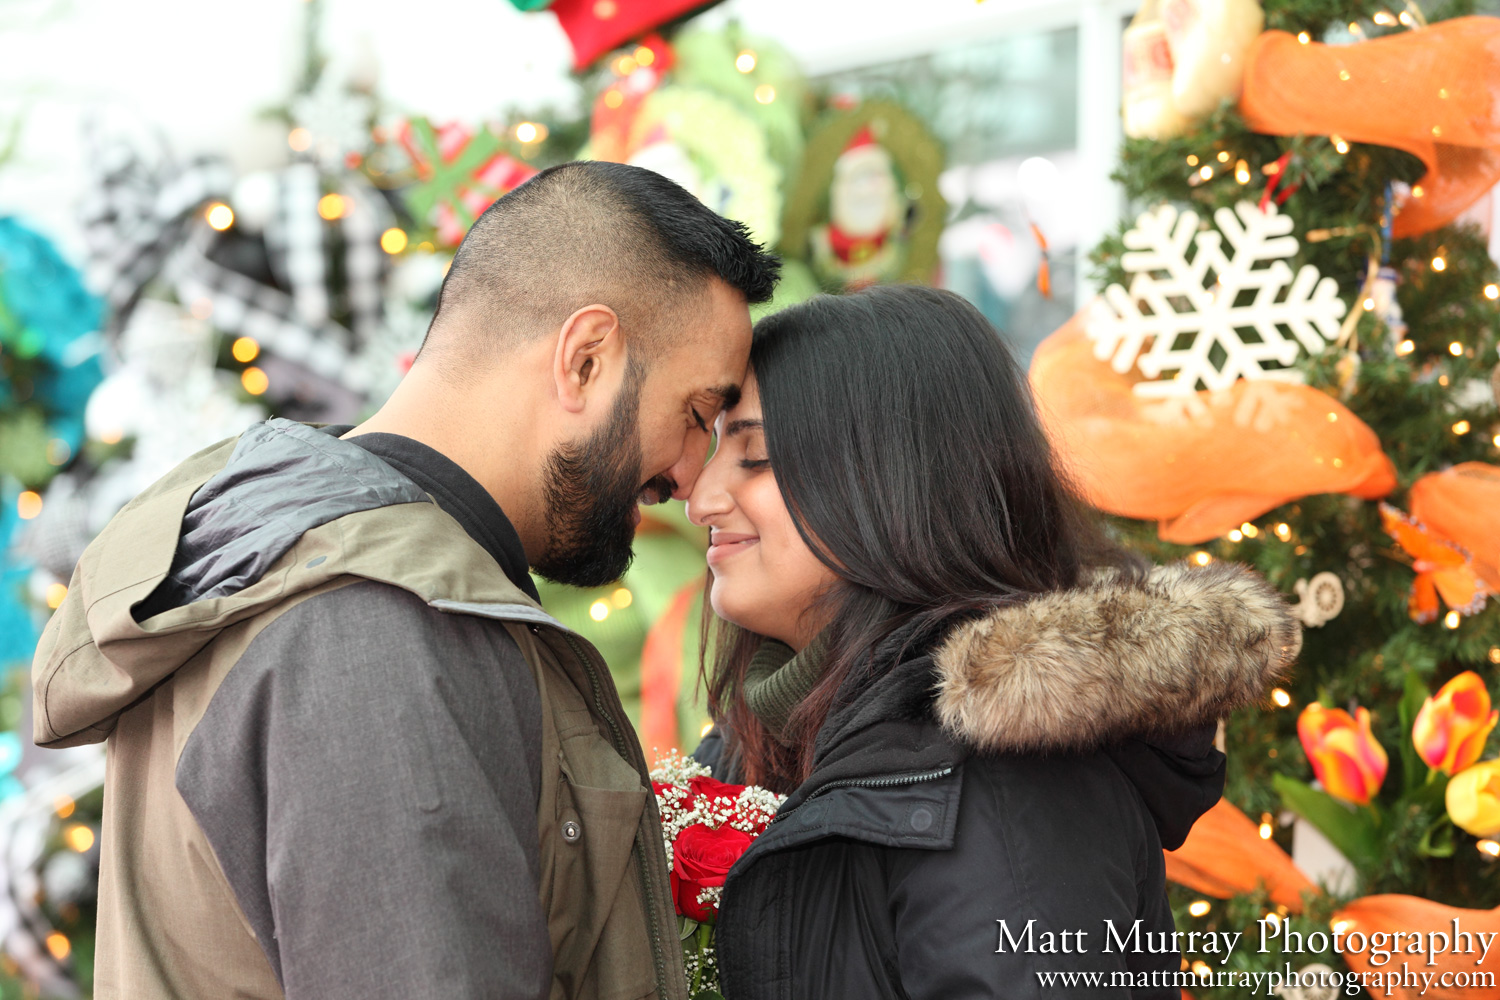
1344	75
707	728
1273	918
745	61
1417	191
621	598
625	65
393	240
1223	156
245	350
1284	531
1249	529
300	139
1384	17
1206	172
1339	926
645	55
220	216
56	594
1281	697
112	435
63	806
1405	347
1242	172
1303	37
1496	440
79	837
1192	159
1405	18
1369	305
531	132
1492	292
1202	558
599	611
1265	826
1339	144
1442	380
1461	428
1456	349
1495	654
1201	969
765	93
1490	847
1199	907
1235	536
331	206
613	98
57	944
1439	264
255	381
28	505
1451	619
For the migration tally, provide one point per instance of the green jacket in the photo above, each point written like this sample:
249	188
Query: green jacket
347	756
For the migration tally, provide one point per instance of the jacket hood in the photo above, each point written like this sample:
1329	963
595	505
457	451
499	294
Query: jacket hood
236	530
1116	657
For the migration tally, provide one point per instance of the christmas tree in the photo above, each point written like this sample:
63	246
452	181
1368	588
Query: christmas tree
1330	316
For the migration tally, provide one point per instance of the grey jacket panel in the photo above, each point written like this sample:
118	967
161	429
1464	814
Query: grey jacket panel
283	479
368	777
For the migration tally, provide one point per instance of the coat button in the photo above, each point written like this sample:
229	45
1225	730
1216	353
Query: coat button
571	831
921	819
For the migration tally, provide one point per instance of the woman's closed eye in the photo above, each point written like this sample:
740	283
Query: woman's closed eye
755	464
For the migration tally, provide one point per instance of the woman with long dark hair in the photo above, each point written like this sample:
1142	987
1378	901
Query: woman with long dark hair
989	721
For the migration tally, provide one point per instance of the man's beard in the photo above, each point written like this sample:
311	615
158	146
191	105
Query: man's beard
590	493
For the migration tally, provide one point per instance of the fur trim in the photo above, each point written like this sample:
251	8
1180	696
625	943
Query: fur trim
1076	669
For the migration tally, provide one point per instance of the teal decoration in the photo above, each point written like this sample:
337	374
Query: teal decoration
49	355
531	5
10	752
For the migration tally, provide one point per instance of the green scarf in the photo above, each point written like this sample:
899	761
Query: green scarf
779	679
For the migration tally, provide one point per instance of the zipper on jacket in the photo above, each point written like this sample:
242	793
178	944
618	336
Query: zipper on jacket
622	747
887	782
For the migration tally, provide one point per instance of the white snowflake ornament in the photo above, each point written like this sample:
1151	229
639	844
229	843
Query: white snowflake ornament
1198	317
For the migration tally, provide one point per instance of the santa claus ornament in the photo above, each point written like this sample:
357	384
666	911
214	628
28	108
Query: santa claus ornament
1181	58
866	208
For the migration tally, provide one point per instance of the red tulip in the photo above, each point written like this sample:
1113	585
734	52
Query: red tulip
1454	723
1348	761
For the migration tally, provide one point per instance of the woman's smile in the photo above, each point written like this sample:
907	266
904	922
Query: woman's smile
725	544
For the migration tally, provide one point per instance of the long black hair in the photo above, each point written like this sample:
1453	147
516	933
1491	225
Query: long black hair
907	448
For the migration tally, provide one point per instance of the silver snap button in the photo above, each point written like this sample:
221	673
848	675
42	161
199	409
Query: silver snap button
571	832
921	819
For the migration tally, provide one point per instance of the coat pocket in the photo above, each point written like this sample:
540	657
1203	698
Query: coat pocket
602	942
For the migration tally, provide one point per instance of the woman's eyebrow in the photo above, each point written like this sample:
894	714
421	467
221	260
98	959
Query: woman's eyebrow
736	426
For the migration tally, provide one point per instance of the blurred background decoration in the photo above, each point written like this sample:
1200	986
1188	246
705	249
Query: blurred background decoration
209	216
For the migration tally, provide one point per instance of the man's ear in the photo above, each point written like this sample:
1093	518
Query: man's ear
590	356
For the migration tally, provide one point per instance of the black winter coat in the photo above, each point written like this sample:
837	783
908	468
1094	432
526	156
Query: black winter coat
1025	773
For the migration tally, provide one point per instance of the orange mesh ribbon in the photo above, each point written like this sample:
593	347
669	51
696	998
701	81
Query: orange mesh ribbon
1225	855
1388	914
1202	464
661	674
1429	92
1463	505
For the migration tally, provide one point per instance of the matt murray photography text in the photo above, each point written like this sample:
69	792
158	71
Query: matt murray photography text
1381	946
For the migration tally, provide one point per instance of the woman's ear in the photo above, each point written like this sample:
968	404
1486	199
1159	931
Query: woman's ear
590	356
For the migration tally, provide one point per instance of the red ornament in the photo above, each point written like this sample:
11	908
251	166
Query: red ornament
595	27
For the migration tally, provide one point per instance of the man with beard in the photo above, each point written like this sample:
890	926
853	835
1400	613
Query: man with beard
349	754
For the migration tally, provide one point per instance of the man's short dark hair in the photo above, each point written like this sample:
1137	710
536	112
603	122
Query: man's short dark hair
591	232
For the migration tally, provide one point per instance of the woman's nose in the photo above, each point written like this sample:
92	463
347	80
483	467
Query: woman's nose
709	497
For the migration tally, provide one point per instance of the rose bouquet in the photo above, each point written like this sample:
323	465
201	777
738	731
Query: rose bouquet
708	825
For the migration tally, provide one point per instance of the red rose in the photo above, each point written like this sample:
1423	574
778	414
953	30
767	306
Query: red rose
661	788
714	789
701	858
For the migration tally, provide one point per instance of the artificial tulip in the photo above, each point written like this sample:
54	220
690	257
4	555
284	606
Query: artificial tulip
1454	723
1348	761
1474	799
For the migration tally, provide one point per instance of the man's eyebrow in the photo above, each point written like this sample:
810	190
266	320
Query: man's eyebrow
728	395
736	426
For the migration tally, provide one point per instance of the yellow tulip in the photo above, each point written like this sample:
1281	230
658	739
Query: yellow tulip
1453	724
1474	799
1344	754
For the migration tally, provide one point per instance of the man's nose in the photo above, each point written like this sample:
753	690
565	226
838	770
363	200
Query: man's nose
685	473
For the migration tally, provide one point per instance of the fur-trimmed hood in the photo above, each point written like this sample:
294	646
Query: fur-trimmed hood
1077	669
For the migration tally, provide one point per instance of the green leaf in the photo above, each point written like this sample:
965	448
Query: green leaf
1353	832
708	995
686	927
1413	767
